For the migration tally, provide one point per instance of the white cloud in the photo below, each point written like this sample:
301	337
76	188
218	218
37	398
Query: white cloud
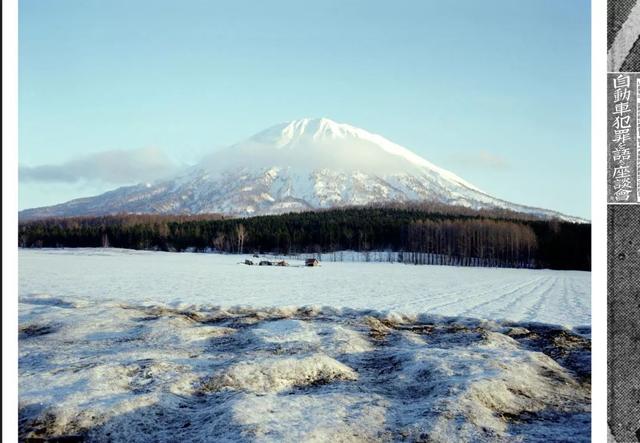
114	166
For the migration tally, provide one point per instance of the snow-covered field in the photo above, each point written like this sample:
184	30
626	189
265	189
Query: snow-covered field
558	297
120	345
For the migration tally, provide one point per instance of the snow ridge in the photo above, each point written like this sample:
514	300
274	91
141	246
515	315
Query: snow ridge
156	373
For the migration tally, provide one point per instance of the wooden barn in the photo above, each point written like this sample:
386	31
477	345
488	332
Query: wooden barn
311	262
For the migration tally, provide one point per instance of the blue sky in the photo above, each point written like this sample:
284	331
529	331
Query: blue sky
117	91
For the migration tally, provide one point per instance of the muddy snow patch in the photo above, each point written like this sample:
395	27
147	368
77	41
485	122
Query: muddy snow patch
313	417
103	371
281	374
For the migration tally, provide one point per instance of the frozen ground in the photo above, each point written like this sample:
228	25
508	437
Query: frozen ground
139	346
558	297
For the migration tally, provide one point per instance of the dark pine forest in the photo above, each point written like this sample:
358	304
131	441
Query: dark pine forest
423	234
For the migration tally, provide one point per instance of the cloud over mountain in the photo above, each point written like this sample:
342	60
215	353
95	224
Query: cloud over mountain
117	166
299	165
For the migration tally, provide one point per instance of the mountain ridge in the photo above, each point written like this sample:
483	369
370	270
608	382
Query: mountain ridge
294	166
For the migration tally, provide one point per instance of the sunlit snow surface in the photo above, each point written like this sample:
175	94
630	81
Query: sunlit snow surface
122	345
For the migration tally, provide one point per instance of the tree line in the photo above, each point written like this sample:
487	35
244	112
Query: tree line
467	237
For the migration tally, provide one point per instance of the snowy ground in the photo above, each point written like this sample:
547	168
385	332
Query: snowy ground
558	297
140	346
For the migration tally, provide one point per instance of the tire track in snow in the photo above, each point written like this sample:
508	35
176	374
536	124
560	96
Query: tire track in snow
515	307
490	287
474	308
570	301
422	301
459	296
582	303
459	292
465	301
542	300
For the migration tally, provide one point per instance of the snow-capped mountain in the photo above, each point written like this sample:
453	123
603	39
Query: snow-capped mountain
300	165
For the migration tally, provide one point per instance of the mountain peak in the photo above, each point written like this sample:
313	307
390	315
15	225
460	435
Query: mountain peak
313	122
306	128
297	165
327	143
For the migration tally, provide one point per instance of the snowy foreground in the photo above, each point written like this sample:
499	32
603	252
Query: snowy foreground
141	346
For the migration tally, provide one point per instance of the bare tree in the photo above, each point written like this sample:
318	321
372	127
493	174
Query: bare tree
219	241
241	236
